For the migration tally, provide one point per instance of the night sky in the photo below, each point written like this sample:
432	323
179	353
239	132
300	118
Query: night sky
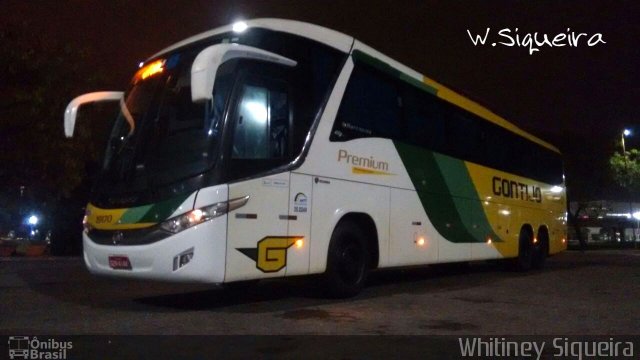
578	98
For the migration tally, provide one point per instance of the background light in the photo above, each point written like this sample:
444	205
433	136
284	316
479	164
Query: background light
626	132
556	189
33	220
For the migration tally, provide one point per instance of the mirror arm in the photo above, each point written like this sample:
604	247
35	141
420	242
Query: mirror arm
206	64
71	112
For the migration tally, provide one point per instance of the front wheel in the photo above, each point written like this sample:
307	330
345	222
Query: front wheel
347	261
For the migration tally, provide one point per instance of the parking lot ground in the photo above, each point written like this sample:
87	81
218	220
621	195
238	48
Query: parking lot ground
591	293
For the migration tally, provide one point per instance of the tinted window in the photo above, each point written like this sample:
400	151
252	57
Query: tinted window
463	134
423	114
369	108
376	104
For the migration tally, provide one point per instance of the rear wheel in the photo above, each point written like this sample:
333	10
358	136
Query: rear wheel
540	250
347	261
524	261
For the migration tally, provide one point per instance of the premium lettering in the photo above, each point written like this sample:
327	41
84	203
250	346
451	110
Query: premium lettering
369	162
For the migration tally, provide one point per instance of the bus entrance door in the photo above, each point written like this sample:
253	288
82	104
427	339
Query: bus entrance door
257	238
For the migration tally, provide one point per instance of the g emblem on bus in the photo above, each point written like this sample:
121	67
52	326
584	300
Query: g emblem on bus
271	253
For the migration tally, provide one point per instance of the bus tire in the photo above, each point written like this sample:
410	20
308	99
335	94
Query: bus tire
540	251
347	261
524	261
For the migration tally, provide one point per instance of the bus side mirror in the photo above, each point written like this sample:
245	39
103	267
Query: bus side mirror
206	64
71	112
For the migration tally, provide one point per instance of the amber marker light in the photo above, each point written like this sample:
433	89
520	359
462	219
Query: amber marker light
489	241
299	243
421	241
150	69
535	240
564	240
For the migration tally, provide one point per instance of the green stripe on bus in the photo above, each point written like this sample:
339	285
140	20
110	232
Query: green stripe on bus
435	177
162	210
133	215
433	192
466	198
388	69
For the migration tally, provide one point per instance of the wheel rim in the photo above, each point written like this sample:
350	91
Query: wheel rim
350	263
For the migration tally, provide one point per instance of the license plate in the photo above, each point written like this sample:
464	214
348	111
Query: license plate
119	262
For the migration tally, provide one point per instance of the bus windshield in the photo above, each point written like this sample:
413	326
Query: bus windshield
160	136
162	144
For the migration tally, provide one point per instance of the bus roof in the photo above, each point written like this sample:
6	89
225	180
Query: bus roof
346	44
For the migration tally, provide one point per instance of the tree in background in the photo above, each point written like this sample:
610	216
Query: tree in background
625	169
39	76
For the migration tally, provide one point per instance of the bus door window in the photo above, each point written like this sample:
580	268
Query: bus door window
261	127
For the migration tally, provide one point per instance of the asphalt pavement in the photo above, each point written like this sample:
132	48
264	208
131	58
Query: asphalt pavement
591	293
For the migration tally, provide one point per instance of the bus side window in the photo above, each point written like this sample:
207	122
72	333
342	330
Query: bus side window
423	115
370	107
464	135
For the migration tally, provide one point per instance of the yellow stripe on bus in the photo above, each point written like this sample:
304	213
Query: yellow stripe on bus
507	210
109	219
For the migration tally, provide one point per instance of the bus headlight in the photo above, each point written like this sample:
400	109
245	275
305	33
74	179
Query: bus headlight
194	217
198	216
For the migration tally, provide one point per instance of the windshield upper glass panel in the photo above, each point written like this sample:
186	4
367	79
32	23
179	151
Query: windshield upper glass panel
160	135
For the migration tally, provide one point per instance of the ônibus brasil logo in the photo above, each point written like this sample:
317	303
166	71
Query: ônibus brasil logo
31	348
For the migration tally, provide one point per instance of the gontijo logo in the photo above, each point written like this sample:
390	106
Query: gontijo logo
516	190
25	347
364	165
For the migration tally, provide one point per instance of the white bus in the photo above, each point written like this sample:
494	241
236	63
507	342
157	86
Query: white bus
273	148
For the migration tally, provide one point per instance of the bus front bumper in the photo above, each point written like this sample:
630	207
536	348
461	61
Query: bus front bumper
167	259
